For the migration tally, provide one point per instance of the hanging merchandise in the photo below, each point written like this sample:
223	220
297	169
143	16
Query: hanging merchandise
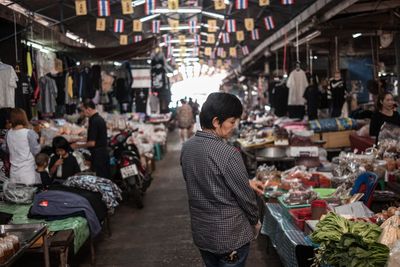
8	84
127	7
210	38
155	26
241	4
245	50
149	6
297	84
118	25
269	22
264	2
192	26
255	34
249	24
80	7
123	39
100	24
240	36
219	4
137	25
232	52
212	25
103	8
231	25
287	2
173	4
153	104
48	94
137	38
225	38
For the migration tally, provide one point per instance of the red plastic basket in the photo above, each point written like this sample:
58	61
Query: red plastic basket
299	216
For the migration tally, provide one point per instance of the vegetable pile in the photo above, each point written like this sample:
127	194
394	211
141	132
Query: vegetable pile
346	243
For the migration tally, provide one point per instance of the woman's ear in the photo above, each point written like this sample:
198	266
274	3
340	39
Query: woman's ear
215	122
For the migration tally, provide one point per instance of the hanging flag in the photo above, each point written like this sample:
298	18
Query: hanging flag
182	39
232	52
123	39
240	36
127	7
103	8
219	4
255	35
207	51
137	25
100	24
169	51
149	6
212	25
228	62
212	55
245	50
241	4
80	7
230	25
269	22
197	40
137	38
287	2
174	24
155	26
118	25
223	55
210	63
264	2
219	63
167	39
210	38
192	26
173	4
249	24
220	51
225	38
195	52
182	51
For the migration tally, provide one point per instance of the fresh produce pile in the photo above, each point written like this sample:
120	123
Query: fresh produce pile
346	243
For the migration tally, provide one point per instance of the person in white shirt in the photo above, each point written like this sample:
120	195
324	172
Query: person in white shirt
23	145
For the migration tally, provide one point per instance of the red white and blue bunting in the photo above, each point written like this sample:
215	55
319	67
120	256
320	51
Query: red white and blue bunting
119	25
269	22
103	8
231	25
155	26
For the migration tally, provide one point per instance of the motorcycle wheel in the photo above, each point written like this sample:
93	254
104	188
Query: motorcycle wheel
137	197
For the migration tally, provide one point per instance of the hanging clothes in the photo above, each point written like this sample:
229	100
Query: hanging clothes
297	84
23	94
280	99
153	105
338	89
86	89
312	96
8	84
48	94
141	100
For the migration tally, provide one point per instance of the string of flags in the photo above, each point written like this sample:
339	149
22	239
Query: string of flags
192	26
255	35
245	50
269	22
119	25
155	26
241	4
103	8
231	25
137	38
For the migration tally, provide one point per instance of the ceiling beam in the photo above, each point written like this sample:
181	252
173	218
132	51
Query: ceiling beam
366	7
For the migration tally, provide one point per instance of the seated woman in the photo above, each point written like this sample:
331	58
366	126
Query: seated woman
62	164
385	112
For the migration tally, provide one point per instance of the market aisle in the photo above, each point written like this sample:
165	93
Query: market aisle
159	234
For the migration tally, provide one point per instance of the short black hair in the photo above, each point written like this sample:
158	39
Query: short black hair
88	103
5	116
380	99
220	105
41	159
60	142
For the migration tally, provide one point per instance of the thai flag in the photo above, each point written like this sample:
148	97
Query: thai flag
228	62
197	39
255	35
169	51
245	50
167	39
137	38
210	63
118	25
103	8
149	6
192	26
155	26
195	51
225	38
287	2
241	4
269	22
220	51
212	56
230	25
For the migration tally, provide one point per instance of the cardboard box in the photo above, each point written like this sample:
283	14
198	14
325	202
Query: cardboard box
339	139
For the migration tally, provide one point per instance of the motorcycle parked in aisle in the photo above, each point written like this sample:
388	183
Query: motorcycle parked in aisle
129	173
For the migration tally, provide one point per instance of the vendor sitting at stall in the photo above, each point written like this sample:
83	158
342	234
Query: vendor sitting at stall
62	164
385	112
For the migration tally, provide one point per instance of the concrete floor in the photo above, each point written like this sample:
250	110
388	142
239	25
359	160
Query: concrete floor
159	234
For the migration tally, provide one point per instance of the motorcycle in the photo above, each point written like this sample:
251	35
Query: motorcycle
129	174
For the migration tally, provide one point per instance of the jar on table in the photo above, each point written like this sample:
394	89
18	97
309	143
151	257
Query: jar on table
318	208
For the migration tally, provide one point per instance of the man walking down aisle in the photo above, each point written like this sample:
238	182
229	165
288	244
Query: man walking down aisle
222	203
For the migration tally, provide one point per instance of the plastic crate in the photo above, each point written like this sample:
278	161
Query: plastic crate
299	216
